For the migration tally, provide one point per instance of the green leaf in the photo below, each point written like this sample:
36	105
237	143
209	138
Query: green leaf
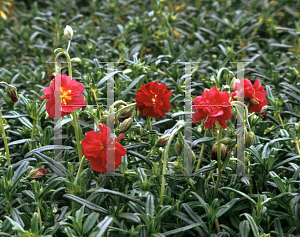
16	226
203	140
47	148
35	223
162	211
203	204
88	204
286	161
133	153
132	84
102	227
223	209
104	79
278	181
130	216
239	192
252	224
102	190
225	61
55	166
150	207
19	172
277	227
50	186
244	228
182	229
90	222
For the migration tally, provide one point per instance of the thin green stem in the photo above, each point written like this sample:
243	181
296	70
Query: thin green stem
69	43
149	123
298	149
201	153
68	59
180	124
219	137
4	140
32	133
40	217
278	113
219	161
81	160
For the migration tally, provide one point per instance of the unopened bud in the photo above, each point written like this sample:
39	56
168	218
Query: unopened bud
214	153
263	112
295	72
12	93
232	84
254	101
68	32
37	173
161	141
140	130
126	113
226	88
225	140
178	148
126	125
249	139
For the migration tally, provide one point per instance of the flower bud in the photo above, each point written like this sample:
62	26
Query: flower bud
126	113
37	173
263	112
12	93
254	101
161	141
226	140
226	88
68	32
178	148
140	130
249	139
232	84
214	153
126	125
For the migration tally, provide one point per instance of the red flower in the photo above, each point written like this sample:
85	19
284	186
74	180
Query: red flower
71	96
254	95
213	105
153	100
94	148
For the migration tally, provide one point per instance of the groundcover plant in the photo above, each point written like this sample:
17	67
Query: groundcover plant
128	118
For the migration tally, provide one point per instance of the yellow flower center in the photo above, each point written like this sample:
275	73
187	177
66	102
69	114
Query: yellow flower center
153	99
65	95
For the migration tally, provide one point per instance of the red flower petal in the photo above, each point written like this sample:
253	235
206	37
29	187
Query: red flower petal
255	91
71	96
212	105
153	100
94	148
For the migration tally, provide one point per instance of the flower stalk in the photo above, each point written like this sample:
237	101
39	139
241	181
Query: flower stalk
219	137
201	153
180	124
4	140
